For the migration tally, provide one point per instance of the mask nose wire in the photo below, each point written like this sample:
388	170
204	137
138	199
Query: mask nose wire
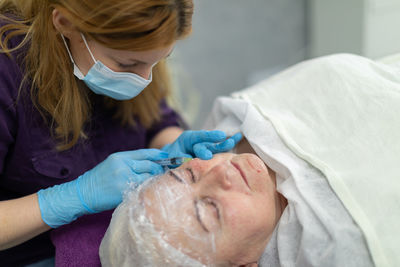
87	46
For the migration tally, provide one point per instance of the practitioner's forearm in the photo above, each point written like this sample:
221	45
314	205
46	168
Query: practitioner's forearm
20	220
166	136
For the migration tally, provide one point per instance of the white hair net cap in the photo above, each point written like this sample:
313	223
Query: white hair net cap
132	240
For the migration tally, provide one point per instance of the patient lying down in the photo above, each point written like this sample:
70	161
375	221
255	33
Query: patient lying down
218	212
323	141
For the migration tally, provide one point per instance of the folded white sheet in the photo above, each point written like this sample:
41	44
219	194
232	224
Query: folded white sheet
315	228
341	115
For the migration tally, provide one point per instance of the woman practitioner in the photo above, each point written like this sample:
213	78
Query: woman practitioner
73	78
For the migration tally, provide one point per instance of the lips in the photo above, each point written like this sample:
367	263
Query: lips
241	173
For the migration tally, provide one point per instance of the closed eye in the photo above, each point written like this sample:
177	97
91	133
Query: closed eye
212	203
127	66
203	208
198	217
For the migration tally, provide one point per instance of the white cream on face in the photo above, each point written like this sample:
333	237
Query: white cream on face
134	239
245	195
169	214
171	208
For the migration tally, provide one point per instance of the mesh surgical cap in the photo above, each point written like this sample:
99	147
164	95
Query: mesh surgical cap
132	239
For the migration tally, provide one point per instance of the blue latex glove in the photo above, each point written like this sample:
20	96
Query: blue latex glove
201	144
100	188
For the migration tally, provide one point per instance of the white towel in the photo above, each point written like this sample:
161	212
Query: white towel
315	228
341	114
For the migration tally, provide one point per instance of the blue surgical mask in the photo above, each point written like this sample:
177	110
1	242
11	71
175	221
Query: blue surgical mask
104	81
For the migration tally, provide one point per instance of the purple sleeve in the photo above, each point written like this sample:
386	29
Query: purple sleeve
169	118
10	78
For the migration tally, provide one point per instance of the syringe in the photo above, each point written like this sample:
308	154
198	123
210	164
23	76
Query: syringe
172	161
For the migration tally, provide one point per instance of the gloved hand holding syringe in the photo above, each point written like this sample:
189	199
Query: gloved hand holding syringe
102	187
201	144
177	161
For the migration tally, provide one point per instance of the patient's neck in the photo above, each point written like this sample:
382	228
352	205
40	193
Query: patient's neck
281	201
244	147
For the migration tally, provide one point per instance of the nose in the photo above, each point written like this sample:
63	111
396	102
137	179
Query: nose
145	72
218	175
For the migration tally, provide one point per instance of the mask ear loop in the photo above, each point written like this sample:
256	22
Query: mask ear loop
77	71
87	46
66	46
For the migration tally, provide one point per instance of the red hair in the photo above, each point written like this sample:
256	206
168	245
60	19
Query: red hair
135	25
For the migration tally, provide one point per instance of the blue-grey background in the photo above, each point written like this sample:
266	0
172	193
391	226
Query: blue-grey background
236	43
233	44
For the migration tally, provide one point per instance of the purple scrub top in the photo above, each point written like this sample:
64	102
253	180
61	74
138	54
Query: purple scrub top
30	162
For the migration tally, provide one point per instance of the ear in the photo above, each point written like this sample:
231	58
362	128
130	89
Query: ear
62	24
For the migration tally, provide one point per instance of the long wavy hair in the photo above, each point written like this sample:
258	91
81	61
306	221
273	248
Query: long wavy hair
135	25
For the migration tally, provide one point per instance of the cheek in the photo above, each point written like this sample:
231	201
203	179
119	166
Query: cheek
247	226
240	214
246	217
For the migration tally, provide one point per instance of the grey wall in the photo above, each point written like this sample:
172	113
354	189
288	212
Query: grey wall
364	27
234	44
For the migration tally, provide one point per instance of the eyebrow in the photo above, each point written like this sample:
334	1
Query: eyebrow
179	179
198	216
191	174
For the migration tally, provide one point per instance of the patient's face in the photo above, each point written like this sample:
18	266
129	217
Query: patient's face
226	207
